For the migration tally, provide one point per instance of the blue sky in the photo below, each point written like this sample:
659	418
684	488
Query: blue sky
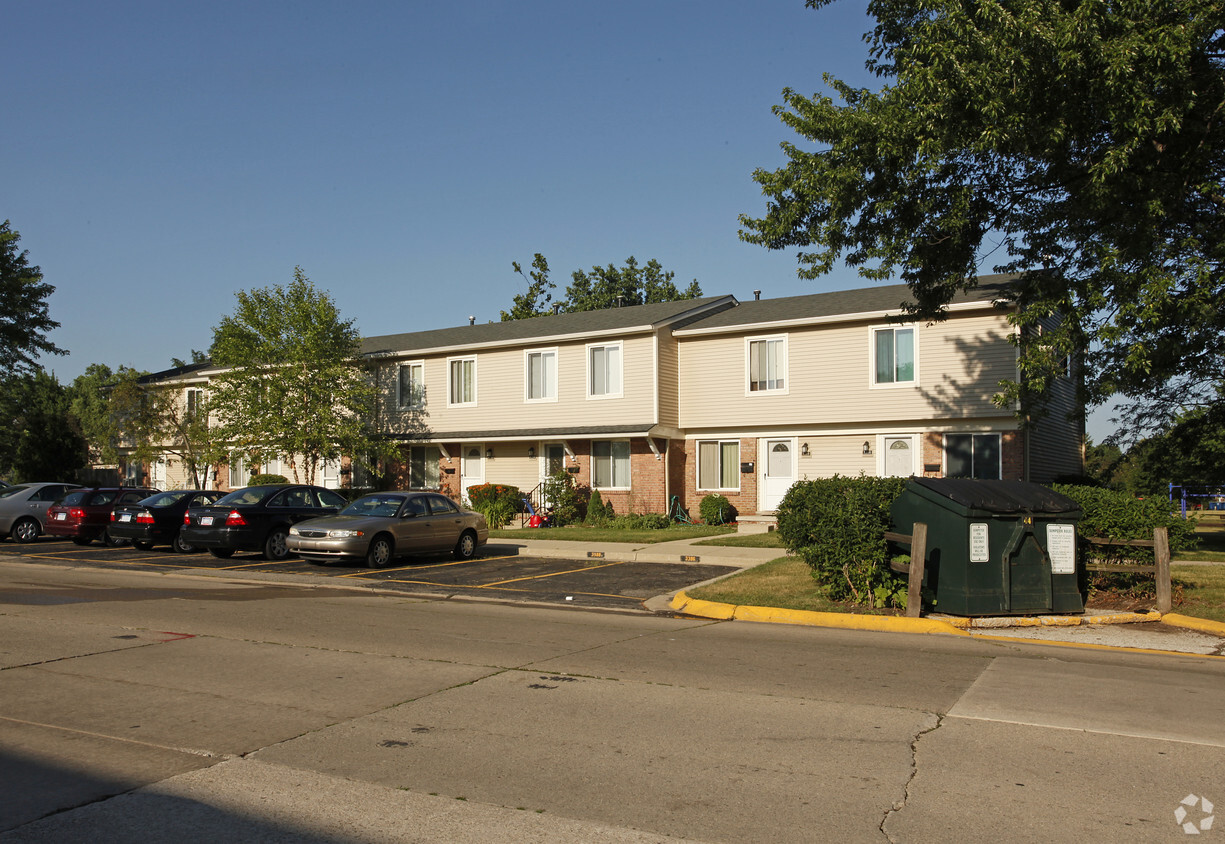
160	156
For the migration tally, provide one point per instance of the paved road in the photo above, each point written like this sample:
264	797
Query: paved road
142	706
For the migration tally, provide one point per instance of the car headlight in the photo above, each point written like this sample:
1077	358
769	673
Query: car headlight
344	534
293	531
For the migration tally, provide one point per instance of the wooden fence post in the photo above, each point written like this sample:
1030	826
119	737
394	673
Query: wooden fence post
918	557
1161	550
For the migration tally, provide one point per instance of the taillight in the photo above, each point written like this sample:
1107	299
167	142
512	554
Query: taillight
113	516
76	513
186	518
144	517
235	519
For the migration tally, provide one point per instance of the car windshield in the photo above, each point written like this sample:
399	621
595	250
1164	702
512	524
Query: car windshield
13	490
250	495
164	499
374	505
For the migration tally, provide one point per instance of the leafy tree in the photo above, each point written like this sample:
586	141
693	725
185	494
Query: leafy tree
37	440
1080	142
289	388
603	287
24	317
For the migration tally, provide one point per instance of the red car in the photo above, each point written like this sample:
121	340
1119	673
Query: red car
83	515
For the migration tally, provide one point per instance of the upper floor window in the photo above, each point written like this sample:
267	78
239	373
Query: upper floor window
972	456
461	378
893	352
604	370
195	399
541	375
767	365
410	388
610	464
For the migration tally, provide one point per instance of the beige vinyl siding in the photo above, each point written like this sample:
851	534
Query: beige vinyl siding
1055	441
829	375
512	466
667	382
836	455
501	395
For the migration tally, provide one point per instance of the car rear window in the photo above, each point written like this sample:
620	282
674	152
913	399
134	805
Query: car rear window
73	499
250	495
103	496
163	499
13	490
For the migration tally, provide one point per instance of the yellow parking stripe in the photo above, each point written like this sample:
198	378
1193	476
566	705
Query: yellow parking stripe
553	574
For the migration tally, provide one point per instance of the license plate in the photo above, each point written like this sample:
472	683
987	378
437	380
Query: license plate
126	517
60	517
206	520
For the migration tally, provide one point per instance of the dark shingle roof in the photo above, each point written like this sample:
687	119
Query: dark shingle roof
566	324
848	303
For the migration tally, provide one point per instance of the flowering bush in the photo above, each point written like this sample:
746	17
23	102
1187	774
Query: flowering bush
498	503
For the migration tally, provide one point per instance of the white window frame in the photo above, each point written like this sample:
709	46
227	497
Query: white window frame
238	472
430	456
551	387
192	397
895	384
698	465
612	458
451	385
415	402
609	394
784	364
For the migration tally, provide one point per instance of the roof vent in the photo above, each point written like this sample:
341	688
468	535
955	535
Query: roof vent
556	308
620	300
757	295
472	320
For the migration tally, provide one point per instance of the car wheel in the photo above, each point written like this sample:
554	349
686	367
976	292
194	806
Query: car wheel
25	530
379	553
180	545
465	549
223	553
142	545
82	540
275	546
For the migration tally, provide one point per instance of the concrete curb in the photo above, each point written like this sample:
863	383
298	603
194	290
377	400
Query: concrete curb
879	623
1002	622
1203	625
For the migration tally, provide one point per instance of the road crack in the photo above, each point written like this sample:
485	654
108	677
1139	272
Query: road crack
899	805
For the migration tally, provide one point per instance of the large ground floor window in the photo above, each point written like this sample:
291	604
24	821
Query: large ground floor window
422	465
610	464
972	456
718	464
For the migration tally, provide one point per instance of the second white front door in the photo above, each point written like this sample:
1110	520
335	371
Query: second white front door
778	473
472	467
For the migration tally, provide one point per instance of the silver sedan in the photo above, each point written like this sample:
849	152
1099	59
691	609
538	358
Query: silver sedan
378	528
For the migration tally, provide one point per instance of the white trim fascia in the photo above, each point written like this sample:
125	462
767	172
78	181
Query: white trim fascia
777	325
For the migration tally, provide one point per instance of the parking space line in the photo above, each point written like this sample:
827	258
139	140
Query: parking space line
430	566
554	574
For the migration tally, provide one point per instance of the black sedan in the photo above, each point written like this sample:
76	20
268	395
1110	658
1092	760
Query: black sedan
158	519
257	518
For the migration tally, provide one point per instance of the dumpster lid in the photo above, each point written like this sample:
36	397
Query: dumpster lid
1000	496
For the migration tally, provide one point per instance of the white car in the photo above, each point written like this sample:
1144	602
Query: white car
23	508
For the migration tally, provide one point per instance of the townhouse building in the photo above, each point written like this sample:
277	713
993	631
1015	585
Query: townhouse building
682	399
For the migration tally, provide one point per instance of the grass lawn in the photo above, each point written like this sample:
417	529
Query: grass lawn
1211	545
1202	589
581	533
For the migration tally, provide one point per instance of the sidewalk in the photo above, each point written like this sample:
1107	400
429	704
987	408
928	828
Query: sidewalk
1102	629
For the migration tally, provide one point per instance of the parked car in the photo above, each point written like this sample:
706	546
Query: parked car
257	518
158	519
23	509
380	527
84	514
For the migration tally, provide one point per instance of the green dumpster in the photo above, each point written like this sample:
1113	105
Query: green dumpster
995	547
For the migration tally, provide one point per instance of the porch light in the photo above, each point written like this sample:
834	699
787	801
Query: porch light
489	454
867	447
531	451
804	449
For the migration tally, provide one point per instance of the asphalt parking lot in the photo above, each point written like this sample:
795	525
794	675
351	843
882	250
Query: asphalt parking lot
499	572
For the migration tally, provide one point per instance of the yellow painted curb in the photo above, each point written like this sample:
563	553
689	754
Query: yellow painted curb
1191	623
847	621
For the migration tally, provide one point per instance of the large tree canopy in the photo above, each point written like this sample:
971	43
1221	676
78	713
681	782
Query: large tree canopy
37	439
291	388
1077	142
24	318
603	287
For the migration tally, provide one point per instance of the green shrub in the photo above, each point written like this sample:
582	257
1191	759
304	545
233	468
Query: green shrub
599	511
564	497
1118	515
263	480
837	526
498	503
715	509
646	521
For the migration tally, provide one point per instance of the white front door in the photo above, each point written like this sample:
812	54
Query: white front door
472	467
899	457
778	473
